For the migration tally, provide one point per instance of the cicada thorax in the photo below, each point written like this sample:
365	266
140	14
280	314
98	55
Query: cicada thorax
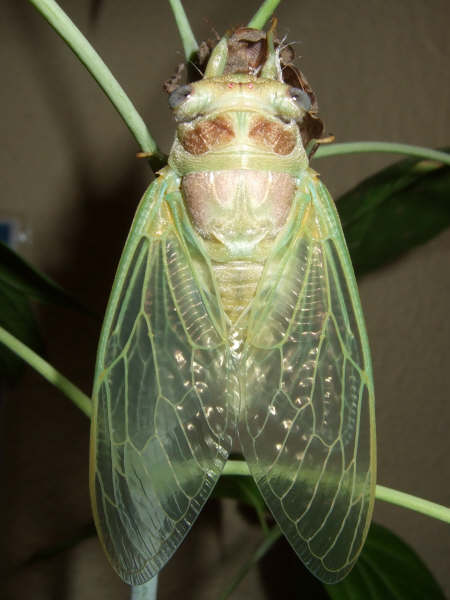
239	153
237	129
238	213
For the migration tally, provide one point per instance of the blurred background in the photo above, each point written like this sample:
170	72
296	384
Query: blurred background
70	181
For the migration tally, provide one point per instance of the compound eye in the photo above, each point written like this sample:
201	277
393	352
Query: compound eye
179	95
300	97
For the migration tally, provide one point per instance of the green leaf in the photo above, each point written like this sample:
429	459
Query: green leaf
389	213
243	489
269	539
19	283
17	274
388	569
48	372
17	317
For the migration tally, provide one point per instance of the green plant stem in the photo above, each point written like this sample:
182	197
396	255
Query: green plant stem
95	65
89	57
190	45
47	371
232	467
358	147
236	467
263	14
431	509
147	591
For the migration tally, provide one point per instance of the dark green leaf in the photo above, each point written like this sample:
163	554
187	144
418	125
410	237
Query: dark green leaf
270	538
388	569
17	274
243	489
393	211
17	317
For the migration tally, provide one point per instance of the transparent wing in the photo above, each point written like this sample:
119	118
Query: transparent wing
307	417
164	392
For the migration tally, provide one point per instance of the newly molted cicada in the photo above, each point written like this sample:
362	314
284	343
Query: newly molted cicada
234	316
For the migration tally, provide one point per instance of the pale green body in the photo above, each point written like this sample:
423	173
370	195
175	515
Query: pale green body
234	314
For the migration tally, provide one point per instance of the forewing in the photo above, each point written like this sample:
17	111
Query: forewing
164	392
307	417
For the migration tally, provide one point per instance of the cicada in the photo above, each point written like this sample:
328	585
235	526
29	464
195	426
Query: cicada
234	319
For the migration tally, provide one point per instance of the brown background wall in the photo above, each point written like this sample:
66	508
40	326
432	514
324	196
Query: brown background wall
68	172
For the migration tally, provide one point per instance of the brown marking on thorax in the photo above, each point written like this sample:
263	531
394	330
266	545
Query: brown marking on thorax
206	135
272	135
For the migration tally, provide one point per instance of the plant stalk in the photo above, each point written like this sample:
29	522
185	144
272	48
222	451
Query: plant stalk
431	509
147	591
109	84
389	147
48	372
263	14
190	45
